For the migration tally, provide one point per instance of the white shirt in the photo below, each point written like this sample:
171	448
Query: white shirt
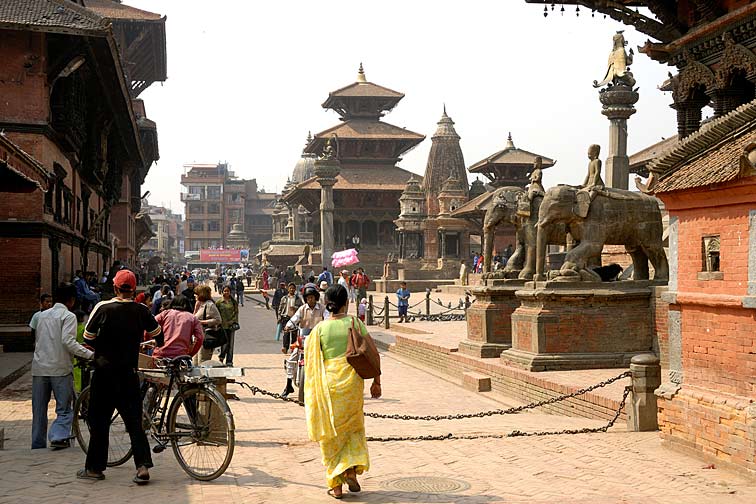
55	342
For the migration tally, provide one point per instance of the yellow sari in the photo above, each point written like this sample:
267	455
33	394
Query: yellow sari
333	407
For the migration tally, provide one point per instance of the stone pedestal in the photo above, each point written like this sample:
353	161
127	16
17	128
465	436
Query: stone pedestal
489	323
580	325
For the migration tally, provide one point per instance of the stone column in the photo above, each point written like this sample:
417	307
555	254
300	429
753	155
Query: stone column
326	170
290	232
295	223
618	106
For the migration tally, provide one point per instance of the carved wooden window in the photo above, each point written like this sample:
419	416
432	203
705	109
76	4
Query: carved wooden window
710	249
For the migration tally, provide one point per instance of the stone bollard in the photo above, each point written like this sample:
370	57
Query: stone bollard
646	377
369	314
386	312
427	302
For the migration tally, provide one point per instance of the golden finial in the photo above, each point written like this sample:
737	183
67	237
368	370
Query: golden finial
361	74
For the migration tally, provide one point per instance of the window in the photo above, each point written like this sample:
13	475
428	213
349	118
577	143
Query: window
196	190
213	225
710	259
195	208
196	244
213	208
213	192
196	225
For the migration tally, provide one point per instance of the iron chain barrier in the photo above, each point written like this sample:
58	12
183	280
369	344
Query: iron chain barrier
481	414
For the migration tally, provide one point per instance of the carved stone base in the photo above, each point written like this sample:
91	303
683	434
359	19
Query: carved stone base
580	325
489	323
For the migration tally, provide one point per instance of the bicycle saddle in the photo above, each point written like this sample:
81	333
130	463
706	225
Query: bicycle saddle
180	363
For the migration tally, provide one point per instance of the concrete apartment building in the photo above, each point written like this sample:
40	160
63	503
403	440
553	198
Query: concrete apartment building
215	200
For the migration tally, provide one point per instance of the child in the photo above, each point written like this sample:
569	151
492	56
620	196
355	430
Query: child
402	296
306	318
362	309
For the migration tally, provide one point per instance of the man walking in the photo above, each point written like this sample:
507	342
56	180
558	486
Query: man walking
52	370
361	282
239	290
115	330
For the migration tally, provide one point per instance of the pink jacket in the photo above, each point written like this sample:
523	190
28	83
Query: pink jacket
178	329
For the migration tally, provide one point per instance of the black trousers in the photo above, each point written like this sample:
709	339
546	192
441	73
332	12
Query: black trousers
115	390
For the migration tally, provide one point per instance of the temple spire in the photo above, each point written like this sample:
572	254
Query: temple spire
361	74
510	143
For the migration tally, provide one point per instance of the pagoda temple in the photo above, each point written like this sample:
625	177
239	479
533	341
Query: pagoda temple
429	237
510	166
367	189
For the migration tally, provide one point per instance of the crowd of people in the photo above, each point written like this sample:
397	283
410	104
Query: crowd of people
106	322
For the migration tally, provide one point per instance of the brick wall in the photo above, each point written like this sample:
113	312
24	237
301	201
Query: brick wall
23	82
21	278
713	412
722	428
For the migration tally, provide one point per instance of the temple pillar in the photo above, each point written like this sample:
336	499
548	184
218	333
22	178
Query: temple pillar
326	170
617	106
295	217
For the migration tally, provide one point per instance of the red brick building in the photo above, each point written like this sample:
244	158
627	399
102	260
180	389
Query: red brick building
74	128
708	183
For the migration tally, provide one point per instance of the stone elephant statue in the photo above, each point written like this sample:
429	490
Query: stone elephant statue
602	216
511	205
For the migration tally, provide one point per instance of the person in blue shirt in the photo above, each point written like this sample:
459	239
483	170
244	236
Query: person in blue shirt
402	296
85	296
325	276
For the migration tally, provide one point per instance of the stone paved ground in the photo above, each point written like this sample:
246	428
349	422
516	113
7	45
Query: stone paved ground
274	461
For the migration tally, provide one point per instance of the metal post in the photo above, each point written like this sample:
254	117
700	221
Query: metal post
386	312
427	302
369	314
646	377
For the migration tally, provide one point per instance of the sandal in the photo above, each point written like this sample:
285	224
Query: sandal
143	479
86	475
352	483
333	494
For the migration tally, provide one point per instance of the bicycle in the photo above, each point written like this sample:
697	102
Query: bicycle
198	422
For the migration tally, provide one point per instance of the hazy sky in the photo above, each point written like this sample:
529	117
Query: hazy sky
246	80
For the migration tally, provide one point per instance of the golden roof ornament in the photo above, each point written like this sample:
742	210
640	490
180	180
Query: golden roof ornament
618	71
361	74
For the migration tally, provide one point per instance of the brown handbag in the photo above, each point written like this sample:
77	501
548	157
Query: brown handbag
362	354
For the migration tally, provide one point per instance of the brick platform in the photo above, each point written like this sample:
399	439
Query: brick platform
580	325
489	319
525	386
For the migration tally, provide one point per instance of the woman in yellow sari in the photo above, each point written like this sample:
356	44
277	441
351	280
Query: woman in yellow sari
334	396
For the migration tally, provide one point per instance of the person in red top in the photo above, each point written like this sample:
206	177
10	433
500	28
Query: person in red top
361	281
181	329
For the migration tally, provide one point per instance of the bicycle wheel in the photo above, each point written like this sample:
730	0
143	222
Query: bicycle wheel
201	429
119	443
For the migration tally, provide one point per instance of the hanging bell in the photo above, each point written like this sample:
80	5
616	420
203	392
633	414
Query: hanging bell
577	11
545	11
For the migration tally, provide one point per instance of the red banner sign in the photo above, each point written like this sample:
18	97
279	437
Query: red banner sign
220	256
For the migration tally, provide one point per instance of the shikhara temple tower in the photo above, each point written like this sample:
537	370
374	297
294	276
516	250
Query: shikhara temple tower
429	237
367	189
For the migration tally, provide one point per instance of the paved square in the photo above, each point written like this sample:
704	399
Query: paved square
275	462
